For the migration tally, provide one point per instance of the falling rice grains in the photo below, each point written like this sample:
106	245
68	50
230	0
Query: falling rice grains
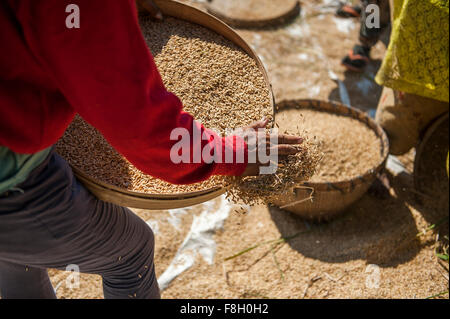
265	189
336	148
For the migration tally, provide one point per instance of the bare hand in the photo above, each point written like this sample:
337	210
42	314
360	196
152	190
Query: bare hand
286	146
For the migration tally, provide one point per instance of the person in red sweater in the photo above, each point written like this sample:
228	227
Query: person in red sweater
103	71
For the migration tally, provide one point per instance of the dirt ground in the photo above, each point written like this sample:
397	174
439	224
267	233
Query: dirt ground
380	247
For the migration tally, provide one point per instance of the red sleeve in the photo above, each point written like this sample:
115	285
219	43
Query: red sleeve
108	75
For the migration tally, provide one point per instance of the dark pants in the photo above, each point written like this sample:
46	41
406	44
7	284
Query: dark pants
56	222
370	36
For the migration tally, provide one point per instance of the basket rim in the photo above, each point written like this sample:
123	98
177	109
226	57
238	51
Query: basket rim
244	23
349	111
429	132
180	8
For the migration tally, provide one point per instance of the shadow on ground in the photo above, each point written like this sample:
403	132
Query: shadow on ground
364	92
379	231
362	89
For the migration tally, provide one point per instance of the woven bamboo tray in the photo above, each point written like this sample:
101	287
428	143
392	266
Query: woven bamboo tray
123	197
331	199
290	12
431	156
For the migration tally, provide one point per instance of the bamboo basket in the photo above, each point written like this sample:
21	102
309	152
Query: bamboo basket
429	166
288	15
123	197
331	199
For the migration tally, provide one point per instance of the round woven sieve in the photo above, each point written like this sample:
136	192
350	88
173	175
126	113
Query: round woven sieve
254	13
124	197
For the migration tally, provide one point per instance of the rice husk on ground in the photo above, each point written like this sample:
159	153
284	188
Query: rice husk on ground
218	83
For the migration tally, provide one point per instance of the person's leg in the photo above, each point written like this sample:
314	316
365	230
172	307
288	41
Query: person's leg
56	222
369	36
405	116
124	244
359	57
19	281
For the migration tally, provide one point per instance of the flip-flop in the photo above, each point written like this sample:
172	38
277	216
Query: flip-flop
348	11
357	59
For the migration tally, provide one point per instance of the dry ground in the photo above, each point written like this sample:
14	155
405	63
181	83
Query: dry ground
340	259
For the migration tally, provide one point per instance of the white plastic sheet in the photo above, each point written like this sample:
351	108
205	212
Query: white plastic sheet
199	241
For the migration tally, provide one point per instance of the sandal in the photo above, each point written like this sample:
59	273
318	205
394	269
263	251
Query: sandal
357	59
348	11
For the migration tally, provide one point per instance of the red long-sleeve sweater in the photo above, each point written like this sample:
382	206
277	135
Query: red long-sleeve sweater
103	71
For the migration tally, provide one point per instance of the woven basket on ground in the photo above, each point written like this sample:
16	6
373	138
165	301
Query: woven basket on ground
431	157
330	199
290	12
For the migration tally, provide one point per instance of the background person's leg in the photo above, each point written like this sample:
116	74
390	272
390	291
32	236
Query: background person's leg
369	36
359	57
404	117
23	282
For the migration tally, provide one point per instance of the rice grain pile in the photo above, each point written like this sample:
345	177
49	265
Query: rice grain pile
218	83
350	148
